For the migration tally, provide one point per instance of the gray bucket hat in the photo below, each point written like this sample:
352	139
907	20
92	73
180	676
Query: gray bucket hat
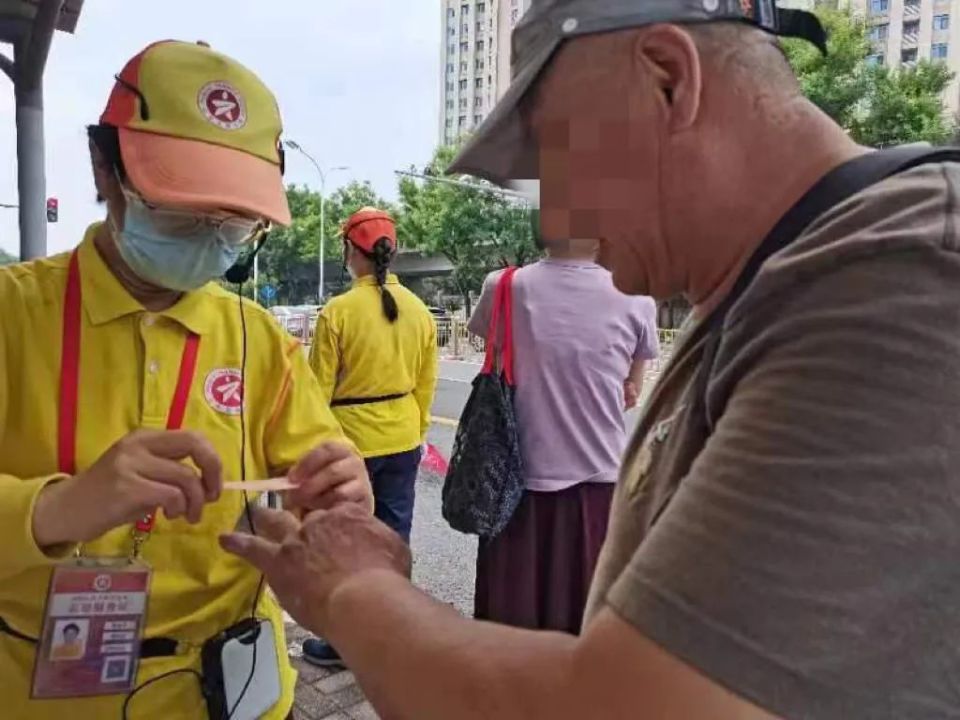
501	149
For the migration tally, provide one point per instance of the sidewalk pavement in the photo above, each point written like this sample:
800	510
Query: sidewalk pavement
322	693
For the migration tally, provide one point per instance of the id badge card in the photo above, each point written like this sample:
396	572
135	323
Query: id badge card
92	629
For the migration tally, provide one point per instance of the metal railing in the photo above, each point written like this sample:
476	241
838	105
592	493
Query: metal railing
454	341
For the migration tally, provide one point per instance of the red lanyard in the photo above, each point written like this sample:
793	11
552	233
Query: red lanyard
70	382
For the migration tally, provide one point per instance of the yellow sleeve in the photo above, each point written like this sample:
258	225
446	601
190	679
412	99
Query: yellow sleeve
427	381
18	496
325	357
301	419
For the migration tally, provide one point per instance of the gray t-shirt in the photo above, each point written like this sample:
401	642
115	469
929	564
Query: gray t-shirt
807	555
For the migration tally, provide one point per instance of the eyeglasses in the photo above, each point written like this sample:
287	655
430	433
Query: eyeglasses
232	230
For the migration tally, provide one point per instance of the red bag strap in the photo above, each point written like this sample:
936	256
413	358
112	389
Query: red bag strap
507	352
502	308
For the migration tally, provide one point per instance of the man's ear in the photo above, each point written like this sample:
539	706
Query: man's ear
670	56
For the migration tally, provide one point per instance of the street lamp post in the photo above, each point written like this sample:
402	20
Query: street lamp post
293	145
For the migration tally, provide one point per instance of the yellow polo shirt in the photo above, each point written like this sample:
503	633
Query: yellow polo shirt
358	353
129	364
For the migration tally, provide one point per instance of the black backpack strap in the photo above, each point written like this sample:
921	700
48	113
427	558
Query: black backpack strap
833	188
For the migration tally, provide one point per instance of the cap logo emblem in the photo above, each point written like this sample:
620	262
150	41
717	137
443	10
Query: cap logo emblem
711	6
222	105
570	25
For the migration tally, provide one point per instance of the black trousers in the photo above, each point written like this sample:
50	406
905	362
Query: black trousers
394	480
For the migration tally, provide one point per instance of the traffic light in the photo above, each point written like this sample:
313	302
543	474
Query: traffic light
53	209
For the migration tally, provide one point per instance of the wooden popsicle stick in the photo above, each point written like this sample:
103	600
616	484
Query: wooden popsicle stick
271	485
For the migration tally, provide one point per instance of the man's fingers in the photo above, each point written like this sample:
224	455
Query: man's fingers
258	551
318	459
274	525
183	444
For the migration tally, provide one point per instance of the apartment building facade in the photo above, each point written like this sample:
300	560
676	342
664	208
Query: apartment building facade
475	60
903	32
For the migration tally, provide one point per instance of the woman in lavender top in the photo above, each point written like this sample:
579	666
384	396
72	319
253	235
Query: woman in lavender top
581	348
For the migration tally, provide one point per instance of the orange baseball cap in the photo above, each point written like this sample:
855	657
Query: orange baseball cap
199	130
367	225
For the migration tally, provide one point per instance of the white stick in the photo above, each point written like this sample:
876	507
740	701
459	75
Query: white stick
272	485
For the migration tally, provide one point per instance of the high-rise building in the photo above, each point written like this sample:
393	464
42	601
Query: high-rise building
905	31
475	60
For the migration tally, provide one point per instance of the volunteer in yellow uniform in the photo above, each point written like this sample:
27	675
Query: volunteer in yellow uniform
129	384
375	354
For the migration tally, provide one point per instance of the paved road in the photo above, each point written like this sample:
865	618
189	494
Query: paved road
453	388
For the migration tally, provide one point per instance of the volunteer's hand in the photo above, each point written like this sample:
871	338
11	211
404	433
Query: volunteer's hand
139	474
331	475
306	563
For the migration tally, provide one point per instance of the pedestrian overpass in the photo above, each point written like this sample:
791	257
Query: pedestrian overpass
28	27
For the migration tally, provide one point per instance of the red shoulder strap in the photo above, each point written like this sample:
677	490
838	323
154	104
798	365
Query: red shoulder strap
502	308
507	353
188	368
69	372
70	375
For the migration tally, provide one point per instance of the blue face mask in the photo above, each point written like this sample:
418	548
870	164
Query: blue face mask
183	260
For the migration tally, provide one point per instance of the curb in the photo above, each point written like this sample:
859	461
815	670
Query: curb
447	422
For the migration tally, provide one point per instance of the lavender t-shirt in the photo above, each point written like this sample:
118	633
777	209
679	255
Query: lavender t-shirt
575	338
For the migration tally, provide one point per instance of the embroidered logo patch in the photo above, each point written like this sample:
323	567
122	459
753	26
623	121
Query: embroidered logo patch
223	105
224	390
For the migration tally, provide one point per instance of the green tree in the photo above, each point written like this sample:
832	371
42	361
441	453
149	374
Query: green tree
877	105
477	231
289	259
6	258
905	107
836	82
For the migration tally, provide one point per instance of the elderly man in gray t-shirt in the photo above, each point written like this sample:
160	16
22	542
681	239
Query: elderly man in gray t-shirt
785	532
574	369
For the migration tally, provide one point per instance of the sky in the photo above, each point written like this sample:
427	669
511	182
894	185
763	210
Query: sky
357	83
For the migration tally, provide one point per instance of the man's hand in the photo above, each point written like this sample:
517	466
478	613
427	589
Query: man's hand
306	563
329	476
141	473
631	395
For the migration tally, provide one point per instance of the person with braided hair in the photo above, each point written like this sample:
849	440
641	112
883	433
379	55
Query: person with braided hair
375	355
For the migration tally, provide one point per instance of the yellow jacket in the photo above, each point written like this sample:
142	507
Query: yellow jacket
129	364
358	353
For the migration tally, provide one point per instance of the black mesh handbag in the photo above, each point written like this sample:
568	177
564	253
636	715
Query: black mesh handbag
484	483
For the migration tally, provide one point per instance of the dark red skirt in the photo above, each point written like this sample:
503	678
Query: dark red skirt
536	574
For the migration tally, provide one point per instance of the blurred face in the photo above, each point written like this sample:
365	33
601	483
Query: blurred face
611	117
599	156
